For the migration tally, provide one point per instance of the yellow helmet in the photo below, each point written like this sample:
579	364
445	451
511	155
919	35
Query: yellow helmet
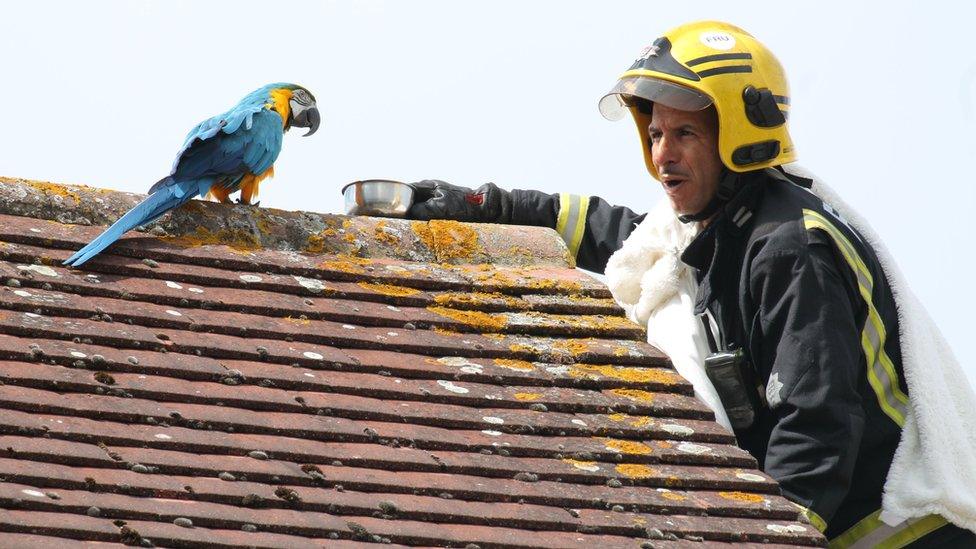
709	63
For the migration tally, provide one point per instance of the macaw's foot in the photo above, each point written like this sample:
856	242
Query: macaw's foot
246	203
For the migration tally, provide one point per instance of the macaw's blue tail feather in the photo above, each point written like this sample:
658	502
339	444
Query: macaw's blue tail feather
164	182
167	195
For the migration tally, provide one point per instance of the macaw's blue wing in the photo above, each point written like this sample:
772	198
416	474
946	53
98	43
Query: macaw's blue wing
251	148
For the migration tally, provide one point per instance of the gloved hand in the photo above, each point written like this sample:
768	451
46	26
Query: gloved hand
434	199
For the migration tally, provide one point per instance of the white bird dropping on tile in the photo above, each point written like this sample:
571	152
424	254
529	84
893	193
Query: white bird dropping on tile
690	448
678	430
39	269
310	283
450	386
751	477
788	529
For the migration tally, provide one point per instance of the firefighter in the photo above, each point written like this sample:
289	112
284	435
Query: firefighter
799	310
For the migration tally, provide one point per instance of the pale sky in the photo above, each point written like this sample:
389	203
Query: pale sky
883	102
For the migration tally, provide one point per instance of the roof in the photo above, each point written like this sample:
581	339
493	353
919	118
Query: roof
242	376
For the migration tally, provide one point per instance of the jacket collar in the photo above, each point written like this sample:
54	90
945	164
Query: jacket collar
711	252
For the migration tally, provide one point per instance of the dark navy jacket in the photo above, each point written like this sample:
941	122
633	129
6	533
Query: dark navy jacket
789	282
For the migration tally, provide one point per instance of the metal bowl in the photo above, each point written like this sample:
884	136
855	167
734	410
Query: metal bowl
378	197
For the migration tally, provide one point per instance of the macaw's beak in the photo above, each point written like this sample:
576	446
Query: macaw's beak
308	118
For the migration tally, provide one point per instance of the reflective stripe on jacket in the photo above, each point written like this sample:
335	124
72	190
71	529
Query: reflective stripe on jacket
591	227
800	292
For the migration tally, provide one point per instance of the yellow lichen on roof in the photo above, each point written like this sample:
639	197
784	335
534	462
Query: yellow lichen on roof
642	421
423	232
389	289
635	421
635	470
346	264
590	466
448	239
627	446
601	322
513	364
476	319
475	298
446	332
581	322
623	373
574	347
522	348
621	351
520	252
53	189
673	496
315	244
381	234
590	300
549	283
743	496
302	320
525	397
236	239
633	394
263	224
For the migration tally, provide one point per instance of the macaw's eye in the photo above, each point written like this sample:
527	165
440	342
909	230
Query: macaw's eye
302	97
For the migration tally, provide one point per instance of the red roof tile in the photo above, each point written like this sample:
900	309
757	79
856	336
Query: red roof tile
212	388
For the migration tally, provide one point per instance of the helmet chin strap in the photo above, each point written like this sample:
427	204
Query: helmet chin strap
728	185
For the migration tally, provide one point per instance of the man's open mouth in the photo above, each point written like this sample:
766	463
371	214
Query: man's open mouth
673	183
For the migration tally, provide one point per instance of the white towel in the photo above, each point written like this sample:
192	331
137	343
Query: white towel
934	468
648	279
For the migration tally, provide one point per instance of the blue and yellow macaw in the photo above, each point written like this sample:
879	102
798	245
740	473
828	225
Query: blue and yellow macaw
230	152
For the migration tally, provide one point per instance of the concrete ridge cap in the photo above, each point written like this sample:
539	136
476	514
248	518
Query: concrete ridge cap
436	241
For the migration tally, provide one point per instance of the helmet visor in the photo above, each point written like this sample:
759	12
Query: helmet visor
614	105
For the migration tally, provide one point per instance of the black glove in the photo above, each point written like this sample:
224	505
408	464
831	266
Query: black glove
435	199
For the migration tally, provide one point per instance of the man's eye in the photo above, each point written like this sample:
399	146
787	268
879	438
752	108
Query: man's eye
686	133
655	136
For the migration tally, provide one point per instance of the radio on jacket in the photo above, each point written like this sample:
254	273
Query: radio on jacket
732	377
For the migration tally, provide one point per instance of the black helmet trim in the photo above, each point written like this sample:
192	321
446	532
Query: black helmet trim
657	57
719	57
724	70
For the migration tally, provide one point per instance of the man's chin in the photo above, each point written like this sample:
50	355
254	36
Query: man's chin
678	207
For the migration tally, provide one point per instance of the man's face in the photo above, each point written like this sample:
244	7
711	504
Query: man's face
684	149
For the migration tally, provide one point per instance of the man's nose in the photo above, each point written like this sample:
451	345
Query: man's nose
663	152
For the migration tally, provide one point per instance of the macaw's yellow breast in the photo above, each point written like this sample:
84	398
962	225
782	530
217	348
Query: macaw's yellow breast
279	103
